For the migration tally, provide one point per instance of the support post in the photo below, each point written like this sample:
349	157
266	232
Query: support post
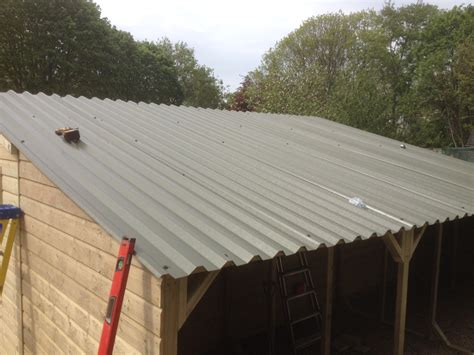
169	316
384	286
434	326
402	251
454	258
182	285
270	288
327	324
402	292
435	278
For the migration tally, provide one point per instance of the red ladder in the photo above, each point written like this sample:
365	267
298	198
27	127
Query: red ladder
117	291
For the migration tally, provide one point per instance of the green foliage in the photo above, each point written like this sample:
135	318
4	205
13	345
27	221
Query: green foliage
65	47
402	72
444	76
200	87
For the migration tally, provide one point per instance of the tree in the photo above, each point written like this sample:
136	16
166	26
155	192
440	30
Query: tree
53	46
155	76
443	97
405	73
65	47
240	100
300	73
198	83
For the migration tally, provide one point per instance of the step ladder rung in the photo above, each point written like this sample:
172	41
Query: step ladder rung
315	315
9	212
295	272
305	288
301	295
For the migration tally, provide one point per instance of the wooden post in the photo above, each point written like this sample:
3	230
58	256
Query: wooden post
384	286
435	278
434	326
227	306
169	316
402	293
182	285
327	324
270	289
402	252
455	252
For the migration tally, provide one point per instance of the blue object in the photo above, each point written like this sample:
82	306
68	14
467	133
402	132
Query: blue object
9	211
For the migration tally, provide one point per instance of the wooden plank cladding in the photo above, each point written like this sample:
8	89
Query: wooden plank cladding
11	302
57	287
50	196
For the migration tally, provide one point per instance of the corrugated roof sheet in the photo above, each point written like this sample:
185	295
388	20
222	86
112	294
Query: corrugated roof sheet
205	188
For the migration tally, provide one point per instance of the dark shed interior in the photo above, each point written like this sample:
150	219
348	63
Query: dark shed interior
237	314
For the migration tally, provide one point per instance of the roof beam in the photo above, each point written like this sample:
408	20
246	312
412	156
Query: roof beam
194	299
393	246
187	302
417	239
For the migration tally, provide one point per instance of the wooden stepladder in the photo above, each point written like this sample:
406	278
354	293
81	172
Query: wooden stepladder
301	304
9	216
117	292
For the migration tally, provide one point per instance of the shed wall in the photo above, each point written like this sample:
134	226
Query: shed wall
67	263
10	303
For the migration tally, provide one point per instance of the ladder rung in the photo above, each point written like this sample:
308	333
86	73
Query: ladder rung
312	315
307	341
294	297
295	272
9	211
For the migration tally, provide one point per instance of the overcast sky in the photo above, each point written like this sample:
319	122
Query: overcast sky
228	36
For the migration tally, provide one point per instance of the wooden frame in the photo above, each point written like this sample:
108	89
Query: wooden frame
177	305
434	326
193	300
169	316
402	250
270	290
454	259
13	158
327	323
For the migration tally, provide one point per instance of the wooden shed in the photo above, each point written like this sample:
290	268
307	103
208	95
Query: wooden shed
212	198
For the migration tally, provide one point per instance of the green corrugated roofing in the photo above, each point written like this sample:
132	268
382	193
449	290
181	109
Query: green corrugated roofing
202	188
